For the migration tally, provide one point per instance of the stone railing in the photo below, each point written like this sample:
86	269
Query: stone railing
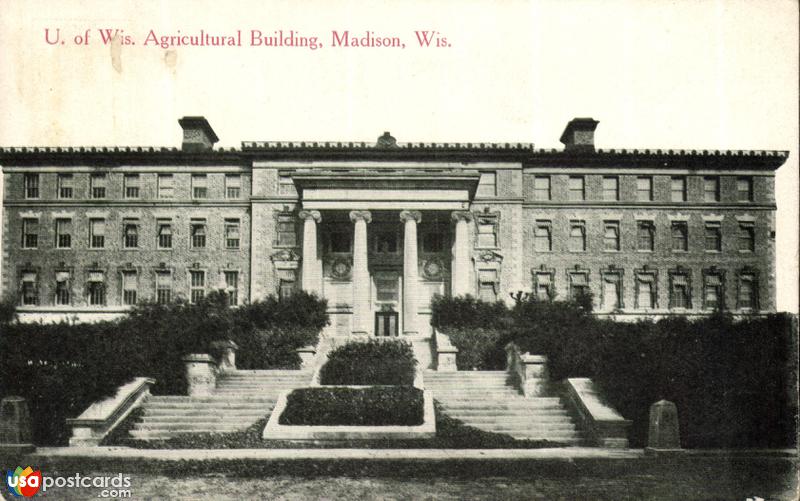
603	425
529	370
102	417
445	352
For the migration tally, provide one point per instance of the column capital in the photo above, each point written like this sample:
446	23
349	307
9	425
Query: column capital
408	215
461	215
310	214
358	215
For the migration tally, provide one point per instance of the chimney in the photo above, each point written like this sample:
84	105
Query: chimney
197	134
579	134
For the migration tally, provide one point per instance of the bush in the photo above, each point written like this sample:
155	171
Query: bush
372	362
478	348
467	312
371	406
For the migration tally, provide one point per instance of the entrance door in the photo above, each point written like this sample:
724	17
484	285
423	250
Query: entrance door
387	303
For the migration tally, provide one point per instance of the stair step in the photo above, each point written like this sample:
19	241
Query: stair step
198	413
514	419
192	427
536	413
221	399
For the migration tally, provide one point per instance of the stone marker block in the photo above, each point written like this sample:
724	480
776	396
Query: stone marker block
15	426
664	434
201	374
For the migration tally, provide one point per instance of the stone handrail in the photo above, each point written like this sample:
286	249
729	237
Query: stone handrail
102	417
604	426
529	370
445	352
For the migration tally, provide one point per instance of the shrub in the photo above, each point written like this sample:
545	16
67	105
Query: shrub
478	348
467	312
370	362
273	348
371	406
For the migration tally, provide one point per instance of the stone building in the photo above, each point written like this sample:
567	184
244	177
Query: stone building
379	228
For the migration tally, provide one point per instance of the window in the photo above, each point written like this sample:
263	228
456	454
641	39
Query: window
285	185
30	289
132	185
541	188
62	288
612	291
487	185
576	189
712	291
680	236
198	231
747	297
287	233
339	241
543	286
487	232
433	241
679	295
30	233
385	242
65	186
199	186
129	287
63	233
163	287
610	188
487	285
711	189
98	184
96	288
166	186
611	235
578	284
577	236
744	189
164	233
645	291
644	189
31	185
130	233
387	288
713	240
232	287
747	241
645	236
198	285
287	283
233	185
678	189
542	236
231	233
97	233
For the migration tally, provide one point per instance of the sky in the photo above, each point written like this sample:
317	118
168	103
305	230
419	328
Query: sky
693	74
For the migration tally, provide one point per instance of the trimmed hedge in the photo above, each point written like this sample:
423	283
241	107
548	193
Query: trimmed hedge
341	406
62	368
478	348
370	362
734	381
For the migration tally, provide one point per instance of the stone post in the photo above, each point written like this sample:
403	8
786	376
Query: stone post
15	426
227	355
460	267
664	434
361	281
306	354
201	374
312	266
410	219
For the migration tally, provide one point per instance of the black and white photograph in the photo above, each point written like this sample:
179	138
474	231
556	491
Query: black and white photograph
324	250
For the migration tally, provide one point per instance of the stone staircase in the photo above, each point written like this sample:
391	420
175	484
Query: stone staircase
485	400
241	398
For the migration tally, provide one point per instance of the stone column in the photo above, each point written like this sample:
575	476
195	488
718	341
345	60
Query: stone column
361	282
459	270
410	219
312	266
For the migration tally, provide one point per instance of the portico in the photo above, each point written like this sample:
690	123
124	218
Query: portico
378	244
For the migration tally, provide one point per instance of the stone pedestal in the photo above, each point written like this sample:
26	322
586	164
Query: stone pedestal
664	434
306	354
201	374
15	426
227	355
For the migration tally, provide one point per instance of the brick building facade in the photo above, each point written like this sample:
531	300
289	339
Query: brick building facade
379	228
